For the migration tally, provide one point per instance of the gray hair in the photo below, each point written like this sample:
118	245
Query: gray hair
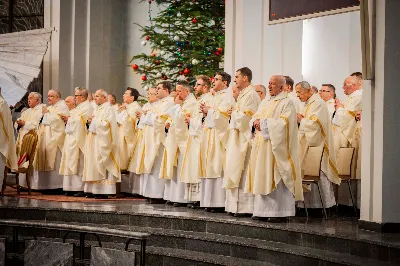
83	91
262	87
57	92
304	85
37	95
103	92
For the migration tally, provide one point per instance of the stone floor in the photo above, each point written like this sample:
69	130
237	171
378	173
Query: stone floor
341	227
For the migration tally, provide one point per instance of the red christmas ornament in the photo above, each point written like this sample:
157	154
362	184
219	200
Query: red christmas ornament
147	38
157	62
194	20
219	49
144	78
186	71
180	72
153	55
164	77
217	53
135	67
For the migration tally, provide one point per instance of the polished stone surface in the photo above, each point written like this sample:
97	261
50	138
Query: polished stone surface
111	257
139	212
44	253
2	251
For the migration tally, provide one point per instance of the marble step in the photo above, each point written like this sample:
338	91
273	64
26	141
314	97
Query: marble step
232	246
312	234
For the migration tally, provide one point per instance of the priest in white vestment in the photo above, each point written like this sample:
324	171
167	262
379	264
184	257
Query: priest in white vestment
274	175
101	168
215	136
315	130
50	144
191	169
154	143
175	145
72	160
30	118
135	166
126	119
291	93
327	93
345	134
238	145
8	152
261	91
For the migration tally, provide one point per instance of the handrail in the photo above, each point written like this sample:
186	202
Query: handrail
83	230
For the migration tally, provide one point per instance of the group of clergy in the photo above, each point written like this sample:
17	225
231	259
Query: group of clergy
223	150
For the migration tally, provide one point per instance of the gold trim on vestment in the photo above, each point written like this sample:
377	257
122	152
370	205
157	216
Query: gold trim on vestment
288	147
4	127
114	161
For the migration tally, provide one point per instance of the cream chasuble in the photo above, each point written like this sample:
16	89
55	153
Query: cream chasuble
239	136
75	139
8	151
331	107
155	131
191	170
101	149
127	131
177	136
316	130
345	119
51	137
274	156
31	117
215	135
138	147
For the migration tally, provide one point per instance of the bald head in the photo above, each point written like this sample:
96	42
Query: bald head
70	102
350	85
276	84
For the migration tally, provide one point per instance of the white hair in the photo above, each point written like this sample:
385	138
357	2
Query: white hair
57	92
83	91
37	95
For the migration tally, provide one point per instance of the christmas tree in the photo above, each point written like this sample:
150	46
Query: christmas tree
186	39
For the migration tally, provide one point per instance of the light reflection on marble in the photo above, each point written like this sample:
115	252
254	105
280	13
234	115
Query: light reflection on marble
341	227
111	257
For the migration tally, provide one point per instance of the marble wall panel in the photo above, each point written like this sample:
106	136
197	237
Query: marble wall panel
28	8
44	253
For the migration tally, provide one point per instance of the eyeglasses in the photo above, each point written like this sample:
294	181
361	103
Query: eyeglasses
77	95
347	84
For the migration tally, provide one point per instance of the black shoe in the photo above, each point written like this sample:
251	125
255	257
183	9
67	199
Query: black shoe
79	194
89	195
207	209
157	201
194	205
218	210
278	219
69	193
242	215
169	202
177	204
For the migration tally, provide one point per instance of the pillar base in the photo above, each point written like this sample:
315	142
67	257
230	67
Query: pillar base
379	227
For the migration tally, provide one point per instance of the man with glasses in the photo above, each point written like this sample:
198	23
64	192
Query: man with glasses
51	141
72	160
345	134
215	135
135	165
190	171
327	93
155	120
